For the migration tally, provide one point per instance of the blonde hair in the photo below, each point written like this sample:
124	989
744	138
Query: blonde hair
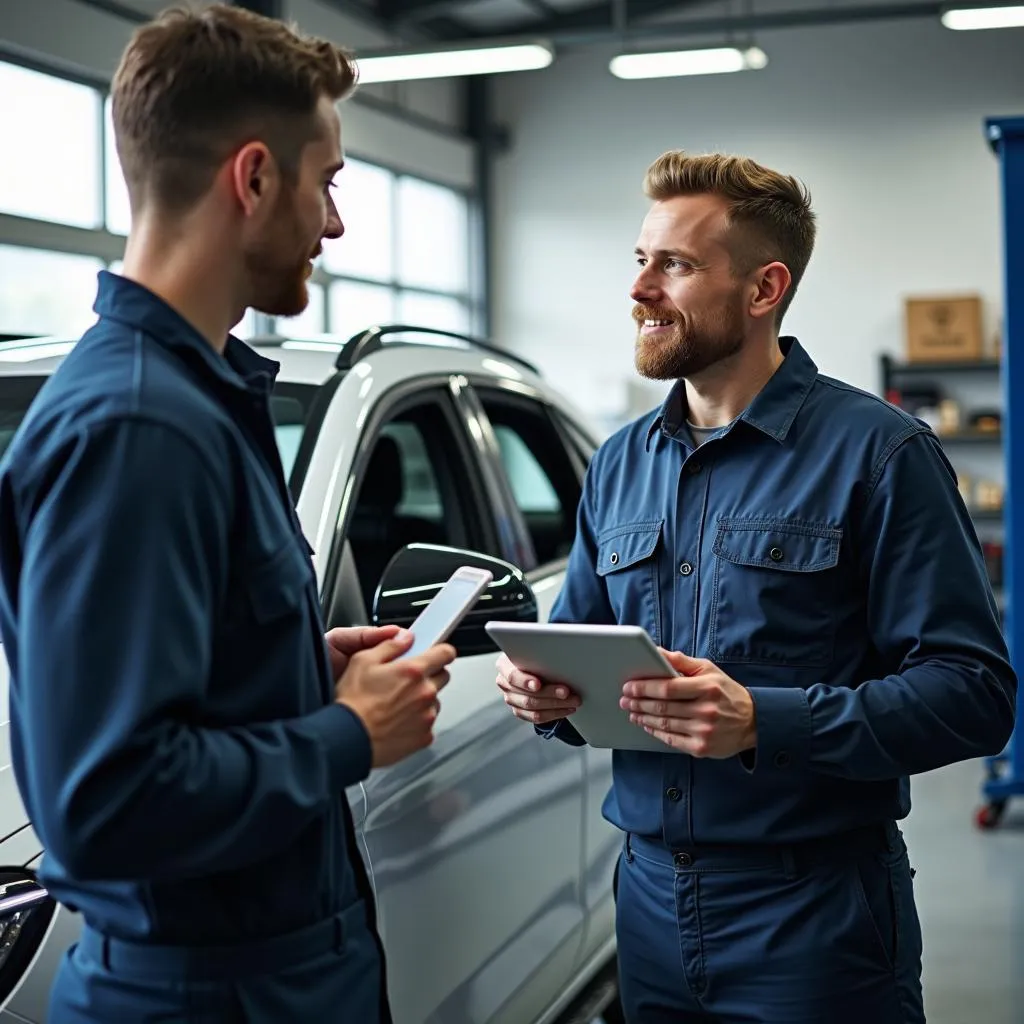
194	84
772	210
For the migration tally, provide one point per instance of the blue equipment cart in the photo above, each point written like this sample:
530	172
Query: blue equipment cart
1005	773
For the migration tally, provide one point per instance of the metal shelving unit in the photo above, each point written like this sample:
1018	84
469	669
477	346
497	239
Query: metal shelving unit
896	375
1005	773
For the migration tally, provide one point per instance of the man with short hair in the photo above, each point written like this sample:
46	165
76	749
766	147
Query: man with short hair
801	552
182	735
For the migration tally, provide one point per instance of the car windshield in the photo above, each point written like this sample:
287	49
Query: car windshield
291	406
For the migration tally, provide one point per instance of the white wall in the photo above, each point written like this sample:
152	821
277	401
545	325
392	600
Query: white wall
93	40
883	122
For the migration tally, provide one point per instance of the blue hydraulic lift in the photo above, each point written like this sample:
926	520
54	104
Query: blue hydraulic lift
1005	775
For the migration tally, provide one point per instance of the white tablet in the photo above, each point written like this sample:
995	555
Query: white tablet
595	662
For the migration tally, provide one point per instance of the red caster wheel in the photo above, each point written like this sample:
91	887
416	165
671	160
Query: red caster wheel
988	816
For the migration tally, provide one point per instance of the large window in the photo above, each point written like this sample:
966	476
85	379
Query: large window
63	204
44	292
52	143
404	257
64	216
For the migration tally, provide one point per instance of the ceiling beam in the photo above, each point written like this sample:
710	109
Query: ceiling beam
418	12
799	17
568	33
415	12
599	15
118	10
268	8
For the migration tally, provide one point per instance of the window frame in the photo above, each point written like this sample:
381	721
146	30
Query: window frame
461	466
12	54
55	236
532	403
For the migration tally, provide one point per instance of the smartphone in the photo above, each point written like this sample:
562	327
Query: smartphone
447	608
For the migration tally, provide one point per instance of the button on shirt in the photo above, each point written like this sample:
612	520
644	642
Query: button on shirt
173	731
822	557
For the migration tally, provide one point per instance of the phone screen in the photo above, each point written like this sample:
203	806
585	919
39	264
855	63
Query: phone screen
448	604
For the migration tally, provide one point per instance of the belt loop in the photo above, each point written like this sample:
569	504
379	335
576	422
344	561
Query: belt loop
629	848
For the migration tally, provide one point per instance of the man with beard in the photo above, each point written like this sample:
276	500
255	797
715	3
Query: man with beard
800	550
182	734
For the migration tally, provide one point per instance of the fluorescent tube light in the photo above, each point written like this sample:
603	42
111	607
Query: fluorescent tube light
668	64
966	18
454	63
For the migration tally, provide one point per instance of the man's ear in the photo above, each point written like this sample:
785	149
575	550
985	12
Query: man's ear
254	177
772	283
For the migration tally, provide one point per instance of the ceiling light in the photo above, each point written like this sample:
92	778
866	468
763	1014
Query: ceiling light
966	18
667	64
454	63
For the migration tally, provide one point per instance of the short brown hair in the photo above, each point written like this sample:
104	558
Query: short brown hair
192	85
774	209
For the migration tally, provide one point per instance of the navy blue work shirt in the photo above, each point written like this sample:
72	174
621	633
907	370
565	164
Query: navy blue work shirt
818	551
174	735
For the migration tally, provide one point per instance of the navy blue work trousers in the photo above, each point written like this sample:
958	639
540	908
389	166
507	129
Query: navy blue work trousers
824	933
326	974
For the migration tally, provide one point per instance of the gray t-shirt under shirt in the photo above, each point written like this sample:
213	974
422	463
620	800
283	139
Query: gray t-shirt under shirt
701	434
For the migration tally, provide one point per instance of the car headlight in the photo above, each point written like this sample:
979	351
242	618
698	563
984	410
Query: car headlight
26	910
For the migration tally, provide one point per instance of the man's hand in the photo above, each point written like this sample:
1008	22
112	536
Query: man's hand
701	712
343	642
530	699
395	697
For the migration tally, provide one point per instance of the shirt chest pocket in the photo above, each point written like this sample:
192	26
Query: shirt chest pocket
774	592
265	662
278	586
269	589
627	561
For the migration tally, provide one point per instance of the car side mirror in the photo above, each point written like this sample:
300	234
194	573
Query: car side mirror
418	571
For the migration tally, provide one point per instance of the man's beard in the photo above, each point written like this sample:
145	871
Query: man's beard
683	352
277	276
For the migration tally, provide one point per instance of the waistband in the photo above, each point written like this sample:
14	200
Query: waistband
790	857
244	959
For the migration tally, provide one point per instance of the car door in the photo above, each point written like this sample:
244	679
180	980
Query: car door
480	926
544	455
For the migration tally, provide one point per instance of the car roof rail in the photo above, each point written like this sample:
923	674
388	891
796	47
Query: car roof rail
372	339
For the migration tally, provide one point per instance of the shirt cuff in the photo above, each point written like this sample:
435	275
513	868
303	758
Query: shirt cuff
783	719
346	744
561	730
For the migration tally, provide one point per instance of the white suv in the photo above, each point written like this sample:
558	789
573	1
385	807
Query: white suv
409	452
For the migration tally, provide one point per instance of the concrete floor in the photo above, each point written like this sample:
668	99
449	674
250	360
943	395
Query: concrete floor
970	895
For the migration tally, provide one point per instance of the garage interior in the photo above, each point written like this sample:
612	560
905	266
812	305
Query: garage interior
532	180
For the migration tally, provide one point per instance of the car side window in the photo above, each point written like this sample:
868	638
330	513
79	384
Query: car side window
541	475
414	489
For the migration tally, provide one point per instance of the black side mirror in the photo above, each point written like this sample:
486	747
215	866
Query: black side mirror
417	572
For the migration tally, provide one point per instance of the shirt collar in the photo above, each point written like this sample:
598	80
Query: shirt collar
774	407
130	303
